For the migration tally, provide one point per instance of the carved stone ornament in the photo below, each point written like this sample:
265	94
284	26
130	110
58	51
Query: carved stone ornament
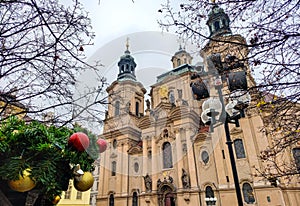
166	134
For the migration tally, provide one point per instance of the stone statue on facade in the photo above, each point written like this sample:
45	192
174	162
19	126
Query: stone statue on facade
185	180
148	183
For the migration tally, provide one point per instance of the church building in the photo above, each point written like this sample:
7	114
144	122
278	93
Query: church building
159	151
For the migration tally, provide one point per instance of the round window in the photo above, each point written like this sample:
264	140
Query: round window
136	167
205	157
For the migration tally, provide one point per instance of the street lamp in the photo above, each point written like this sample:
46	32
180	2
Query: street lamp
214	110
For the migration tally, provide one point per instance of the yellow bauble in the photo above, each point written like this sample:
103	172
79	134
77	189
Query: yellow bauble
23	184
56	200
85	183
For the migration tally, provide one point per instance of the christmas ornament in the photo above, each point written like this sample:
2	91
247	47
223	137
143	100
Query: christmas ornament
56	200
79	141
23	184
102	145
78	173
86	182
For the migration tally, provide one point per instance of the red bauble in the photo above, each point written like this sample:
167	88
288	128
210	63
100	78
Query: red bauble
102	145
79	141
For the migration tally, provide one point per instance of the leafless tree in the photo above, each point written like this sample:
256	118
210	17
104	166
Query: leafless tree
42	45
272	32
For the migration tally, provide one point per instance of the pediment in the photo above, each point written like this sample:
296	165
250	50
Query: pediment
236	130
135	150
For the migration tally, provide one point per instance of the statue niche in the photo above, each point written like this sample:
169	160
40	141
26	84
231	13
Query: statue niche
148	183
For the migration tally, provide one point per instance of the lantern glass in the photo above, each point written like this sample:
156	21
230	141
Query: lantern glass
213	103
242	97
230	108
206	119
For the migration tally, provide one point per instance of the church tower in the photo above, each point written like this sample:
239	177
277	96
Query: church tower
125	107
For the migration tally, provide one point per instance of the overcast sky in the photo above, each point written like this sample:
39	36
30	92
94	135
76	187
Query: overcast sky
114	18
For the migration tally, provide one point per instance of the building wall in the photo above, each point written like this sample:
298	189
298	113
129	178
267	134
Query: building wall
73	199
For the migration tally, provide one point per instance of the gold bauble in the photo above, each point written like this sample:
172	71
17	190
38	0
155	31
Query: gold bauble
23	184
85	183
56	200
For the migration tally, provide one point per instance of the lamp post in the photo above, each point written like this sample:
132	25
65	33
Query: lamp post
214	110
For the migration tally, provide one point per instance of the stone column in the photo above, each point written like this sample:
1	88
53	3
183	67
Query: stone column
191	160
179	155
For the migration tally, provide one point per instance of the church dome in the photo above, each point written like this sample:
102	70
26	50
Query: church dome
126	67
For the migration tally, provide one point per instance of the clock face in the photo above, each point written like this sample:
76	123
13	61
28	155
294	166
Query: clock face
216	10
163	91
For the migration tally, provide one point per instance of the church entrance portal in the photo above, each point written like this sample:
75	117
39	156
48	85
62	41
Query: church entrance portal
169	200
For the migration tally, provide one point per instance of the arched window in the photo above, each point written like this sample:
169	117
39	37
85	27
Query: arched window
210	196
167	155
239	148
178	62
209	193
224	23
135	199
111	200
248	193
137	105
115	143
217	25
113	168
296	155
117	108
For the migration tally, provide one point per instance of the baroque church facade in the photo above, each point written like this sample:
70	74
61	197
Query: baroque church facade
161	154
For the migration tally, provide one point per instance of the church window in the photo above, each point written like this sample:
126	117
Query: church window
113	168
248	193
296	155
178	62
205	157
127	68
137	105
136	167
239	148
217	25
115	144
209	193
224	23
135	199
117	108
122	68
111	200
149	154
167	155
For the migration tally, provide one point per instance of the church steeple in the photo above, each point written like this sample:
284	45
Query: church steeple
126	65
218	21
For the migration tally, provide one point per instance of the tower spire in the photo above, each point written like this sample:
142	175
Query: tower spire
126	65
127	44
